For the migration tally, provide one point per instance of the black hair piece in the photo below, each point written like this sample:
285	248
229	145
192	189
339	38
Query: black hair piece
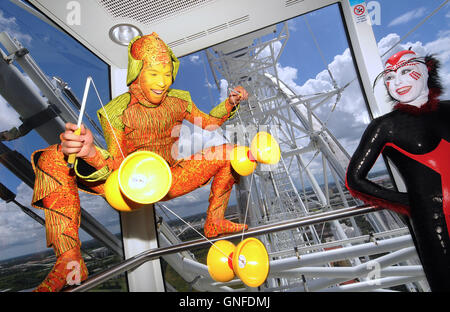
433	65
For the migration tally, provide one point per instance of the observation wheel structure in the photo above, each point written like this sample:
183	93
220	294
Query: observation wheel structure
309	179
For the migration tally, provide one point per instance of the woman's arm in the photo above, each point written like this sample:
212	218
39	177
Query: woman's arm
370	147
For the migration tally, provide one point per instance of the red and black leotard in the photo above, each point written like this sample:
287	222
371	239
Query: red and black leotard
418	143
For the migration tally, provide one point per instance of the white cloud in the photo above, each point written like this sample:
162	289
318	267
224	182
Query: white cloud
194	59
223	89
9	118
209	85
9	25
292	25
408	16
276	46
343	72
386	43
17	228
287	74
22	234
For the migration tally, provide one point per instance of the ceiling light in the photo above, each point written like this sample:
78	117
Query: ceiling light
123	33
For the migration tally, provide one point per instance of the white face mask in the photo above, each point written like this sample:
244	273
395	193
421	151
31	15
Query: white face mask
407	81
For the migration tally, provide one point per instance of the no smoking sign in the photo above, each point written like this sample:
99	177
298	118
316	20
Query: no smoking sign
359	9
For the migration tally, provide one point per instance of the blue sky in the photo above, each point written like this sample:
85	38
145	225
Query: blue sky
300	65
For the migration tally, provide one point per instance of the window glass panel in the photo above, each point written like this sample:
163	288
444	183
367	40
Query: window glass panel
302	72
24	258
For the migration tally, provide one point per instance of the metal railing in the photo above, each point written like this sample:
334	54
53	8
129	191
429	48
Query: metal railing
153	254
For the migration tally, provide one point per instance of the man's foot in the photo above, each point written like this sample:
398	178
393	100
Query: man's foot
69	269
214	228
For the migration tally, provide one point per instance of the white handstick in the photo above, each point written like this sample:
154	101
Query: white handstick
71	160
83	103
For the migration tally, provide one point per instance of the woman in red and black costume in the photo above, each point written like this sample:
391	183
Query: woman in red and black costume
416	137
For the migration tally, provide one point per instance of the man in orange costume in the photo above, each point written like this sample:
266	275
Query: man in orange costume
144	118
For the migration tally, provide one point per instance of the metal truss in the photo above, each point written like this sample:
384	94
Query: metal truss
310	175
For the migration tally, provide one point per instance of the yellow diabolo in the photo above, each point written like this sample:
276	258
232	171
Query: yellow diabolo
219	260
265	148
143	178
242	160
248	260
251	262
115	197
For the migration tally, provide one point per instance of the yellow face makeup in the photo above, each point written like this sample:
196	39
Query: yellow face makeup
155	81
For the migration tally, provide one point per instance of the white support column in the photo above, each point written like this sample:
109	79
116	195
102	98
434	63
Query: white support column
366	53
139	234
368	60
138	228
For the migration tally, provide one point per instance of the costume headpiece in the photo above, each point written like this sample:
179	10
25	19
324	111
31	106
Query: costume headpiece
149	49
393	63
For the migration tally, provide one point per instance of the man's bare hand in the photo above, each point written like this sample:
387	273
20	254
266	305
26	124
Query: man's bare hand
236	95
82	145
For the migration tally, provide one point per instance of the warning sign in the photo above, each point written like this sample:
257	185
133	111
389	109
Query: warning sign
360	13
359	9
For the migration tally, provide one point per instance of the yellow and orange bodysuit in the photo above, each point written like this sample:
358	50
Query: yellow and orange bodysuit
140	125
137	125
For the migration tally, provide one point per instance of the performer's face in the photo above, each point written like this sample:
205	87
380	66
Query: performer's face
155	81
407	83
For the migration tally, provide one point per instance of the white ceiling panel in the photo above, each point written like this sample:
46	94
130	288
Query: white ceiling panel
185	25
